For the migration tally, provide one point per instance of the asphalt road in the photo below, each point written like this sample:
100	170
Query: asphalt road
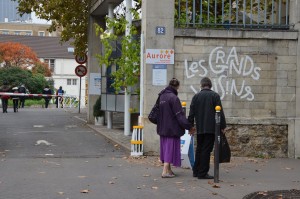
51	154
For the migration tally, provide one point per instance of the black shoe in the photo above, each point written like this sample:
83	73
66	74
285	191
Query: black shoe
206	177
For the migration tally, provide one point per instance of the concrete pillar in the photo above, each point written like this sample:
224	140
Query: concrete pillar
160	13
295	19
93	64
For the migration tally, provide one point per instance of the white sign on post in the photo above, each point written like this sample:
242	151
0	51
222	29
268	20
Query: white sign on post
159	75
160	56
95	84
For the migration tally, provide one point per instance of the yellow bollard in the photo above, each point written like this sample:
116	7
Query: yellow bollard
137	147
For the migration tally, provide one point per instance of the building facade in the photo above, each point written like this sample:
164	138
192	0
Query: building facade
28	29
256	72
9	12
59	58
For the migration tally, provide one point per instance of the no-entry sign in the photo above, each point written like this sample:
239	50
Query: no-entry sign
81	59
80	70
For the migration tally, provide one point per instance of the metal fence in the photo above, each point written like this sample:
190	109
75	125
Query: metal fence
230	14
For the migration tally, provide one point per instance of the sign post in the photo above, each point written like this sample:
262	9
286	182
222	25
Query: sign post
80	71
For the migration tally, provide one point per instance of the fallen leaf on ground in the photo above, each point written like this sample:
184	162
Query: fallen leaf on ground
154	187
114	178
146	175
116	145
216	186
178	182
210	182
138	187
262	193
214	193
111	182
109	165
287	168
85	191
81	176
182	189
61	193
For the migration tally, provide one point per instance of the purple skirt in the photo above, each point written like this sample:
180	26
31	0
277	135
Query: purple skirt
170	150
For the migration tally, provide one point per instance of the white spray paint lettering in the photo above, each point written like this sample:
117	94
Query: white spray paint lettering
225	67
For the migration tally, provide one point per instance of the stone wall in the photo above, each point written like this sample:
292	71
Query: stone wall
255	75
265	141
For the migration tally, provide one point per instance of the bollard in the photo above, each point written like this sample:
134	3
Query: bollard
217	144
137	147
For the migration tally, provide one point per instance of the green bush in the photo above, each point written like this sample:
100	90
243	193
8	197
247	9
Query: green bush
97	112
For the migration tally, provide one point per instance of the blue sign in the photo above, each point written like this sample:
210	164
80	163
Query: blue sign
159	66
160	30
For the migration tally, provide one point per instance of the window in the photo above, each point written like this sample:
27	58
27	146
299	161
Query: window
5	32
17	32
51	64
41	33
74	82
28	33
71	81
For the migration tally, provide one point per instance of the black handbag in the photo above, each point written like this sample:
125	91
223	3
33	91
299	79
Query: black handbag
154	114
225	152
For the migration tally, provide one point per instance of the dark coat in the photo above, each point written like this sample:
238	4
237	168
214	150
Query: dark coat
5	88
202	109
172	121
47	91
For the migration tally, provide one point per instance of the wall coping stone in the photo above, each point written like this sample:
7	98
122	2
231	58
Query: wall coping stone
257	121
237	34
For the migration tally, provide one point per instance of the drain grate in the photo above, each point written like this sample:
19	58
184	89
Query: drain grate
280	194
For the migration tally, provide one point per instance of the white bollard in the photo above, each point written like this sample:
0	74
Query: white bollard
137	147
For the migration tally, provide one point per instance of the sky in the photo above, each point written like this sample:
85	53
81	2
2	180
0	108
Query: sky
37	20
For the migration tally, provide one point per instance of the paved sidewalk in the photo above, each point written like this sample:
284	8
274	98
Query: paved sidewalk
239	178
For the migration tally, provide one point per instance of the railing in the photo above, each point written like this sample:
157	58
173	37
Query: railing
230	14
68	101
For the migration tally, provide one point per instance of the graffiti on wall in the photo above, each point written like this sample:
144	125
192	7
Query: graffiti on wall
227	68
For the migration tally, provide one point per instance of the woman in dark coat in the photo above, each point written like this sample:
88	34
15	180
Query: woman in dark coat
4	98
171	126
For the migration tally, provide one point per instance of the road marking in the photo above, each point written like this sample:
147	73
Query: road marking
40	142
38	126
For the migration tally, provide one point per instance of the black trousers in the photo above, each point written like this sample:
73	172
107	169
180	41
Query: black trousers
205	145
4	105
16	104
22	102
46	102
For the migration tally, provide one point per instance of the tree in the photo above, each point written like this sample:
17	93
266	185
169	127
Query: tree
41	68
128	63
17	54
69	15
15	76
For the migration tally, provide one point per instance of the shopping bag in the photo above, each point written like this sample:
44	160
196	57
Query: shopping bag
225	152
154	113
